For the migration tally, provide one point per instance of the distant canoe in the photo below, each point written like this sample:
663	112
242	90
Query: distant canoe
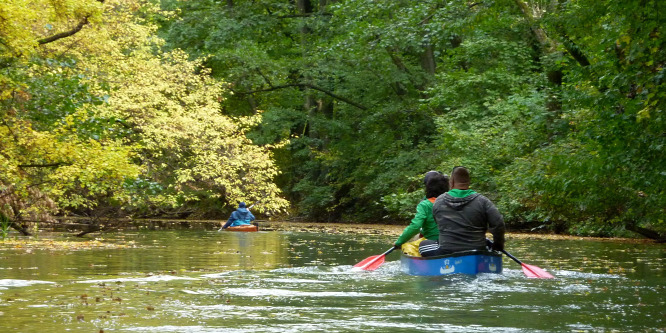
465	262
244	228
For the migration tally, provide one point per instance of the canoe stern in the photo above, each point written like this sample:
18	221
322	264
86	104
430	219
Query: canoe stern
467	262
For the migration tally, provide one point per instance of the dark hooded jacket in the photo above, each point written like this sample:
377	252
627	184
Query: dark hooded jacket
463	220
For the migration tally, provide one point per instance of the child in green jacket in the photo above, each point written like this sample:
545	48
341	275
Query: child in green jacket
423	221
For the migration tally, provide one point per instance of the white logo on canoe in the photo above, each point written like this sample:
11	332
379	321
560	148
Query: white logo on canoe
447	269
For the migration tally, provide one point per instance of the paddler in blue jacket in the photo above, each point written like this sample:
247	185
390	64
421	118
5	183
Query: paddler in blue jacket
241	216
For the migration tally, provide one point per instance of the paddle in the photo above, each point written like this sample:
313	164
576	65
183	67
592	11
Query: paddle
530	271
373	262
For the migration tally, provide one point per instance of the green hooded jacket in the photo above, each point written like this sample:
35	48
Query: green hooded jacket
423	222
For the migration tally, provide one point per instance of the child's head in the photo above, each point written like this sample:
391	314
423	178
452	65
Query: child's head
429	174
436	185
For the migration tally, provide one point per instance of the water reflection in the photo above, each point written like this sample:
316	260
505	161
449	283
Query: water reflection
197	281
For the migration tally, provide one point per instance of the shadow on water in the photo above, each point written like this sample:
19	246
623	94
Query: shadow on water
303	282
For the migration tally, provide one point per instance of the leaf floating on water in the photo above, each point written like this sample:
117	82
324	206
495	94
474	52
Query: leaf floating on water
80	317
54	245
150	308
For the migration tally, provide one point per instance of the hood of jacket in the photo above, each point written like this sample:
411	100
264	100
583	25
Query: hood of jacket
456	202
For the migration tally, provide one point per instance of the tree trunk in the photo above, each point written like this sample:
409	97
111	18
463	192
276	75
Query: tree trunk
20	228
651	234
428	59
309	102
547	46
89	229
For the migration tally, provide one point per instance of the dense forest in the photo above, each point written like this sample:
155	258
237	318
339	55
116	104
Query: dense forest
328	110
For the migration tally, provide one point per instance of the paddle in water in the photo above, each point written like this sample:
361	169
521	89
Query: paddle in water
530	271
373	262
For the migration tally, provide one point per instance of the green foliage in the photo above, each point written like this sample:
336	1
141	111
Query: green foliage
5	224
547	102
557	107
110	120
607	170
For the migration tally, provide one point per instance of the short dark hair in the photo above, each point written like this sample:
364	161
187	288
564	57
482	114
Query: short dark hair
437	185
460	175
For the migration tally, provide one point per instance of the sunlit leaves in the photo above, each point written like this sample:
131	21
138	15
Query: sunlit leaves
103	109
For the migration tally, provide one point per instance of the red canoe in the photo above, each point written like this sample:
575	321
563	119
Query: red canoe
245	228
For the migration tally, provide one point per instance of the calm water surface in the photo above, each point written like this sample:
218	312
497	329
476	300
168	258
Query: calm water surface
205	281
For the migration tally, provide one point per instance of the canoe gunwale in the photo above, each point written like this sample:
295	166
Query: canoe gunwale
244	228
457	254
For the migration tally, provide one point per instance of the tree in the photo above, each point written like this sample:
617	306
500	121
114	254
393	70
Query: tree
97	115
607	170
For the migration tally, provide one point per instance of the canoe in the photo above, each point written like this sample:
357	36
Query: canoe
465	262
244	228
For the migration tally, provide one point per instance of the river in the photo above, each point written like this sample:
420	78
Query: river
278	281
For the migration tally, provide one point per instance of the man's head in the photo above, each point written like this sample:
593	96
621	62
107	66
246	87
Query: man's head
459	178
241	205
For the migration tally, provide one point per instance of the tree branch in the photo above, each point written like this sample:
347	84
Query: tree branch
304	85
20	228
49	165
304	15
4	123
65	34
538	32
651	234
574	50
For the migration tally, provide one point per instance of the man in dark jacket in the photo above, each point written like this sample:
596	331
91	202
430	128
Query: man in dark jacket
463	218
240	216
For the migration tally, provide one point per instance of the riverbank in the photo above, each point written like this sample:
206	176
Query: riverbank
393	230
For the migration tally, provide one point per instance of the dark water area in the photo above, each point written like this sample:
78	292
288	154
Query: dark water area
277	281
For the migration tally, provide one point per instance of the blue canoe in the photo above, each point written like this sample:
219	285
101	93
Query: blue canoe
465	262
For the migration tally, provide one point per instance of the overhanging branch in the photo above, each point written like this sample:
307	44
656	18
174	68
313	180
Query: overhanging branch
304	85
65	34
48	165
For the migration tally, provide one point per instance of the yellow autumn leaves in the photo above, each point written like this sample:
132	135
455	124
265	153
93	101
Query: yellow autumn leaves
162	121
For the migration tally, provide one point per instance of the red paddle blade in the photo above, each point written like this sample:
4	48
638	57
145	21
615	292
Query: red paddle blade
375	264
371	263
536	272
367	260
